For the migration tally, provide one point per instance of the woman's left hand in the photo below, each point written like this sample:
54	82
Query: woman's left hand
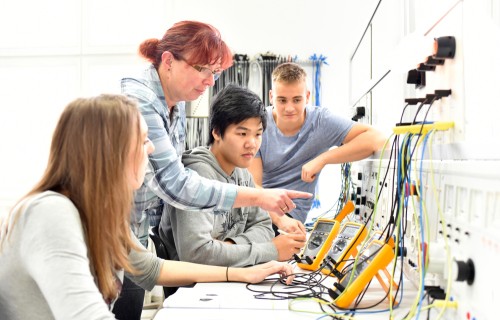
258	273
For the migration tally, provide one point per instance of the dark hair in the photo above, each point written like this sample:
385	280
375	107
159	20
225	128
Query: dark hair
232	105
196	42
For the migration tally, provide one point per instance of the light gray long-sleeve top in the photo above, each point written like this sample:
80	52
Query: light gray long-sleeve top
198	237
45	271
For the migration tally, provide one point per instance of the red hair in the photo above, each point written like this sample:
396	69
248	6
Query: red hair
196	42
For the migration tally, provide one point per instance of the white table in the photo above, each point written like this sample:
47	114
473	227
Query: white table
233	300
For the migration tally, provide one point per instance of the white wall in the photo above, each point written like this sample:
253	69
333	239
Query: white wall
55	50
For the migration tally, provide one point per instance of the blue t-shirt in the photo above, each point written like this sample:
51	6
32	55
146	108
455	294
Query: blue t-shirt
283	156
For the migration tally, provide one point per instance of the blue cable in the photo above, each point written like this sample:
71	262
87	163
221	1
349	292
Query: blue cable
316	63
359	311
421	224
408	178
399	167
400	188
316	203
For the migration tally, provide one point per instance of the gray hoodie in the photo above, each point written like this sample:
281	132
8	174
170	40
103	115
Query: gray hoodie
199	237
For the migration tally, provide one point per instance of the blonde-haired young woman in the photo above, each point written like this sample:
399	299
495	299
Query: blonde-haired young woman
64	248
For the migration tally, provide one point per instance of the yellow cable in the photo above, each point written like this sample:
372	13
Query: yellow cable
375	207
445	232
442	304
424	207
293	302
416	301
374	214
401	206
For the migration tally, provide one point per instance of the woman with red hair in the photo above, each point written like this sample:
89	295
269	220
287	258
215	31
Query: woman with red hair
185	62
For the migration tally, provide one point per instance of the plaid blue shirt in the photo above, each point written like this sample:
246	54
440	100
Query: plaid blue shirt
166	178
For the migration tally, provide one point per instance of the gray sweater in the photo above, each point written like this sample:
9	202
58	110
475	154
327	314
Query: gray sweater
45	272
196	236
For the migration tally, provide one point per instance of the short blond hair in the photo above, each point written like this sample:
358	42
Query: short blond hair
289	72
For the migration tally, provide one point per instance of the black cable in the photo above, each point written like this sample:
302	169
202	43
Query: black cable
406	175
407	154
305	285
428	310
402	113
310	282
418	110
300	290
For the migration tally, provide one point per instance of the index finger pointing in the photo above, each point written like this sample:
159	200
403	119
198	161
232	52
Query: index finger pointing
298	194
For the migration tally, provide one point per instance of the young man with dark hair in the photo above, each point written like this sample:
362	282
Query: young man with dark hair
236	237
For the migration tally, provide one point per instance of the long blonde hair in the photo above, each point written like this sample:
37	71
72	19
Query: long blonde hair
87	162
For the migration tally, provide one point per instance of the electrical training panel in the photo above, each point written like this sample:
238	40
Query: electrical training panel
438	178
